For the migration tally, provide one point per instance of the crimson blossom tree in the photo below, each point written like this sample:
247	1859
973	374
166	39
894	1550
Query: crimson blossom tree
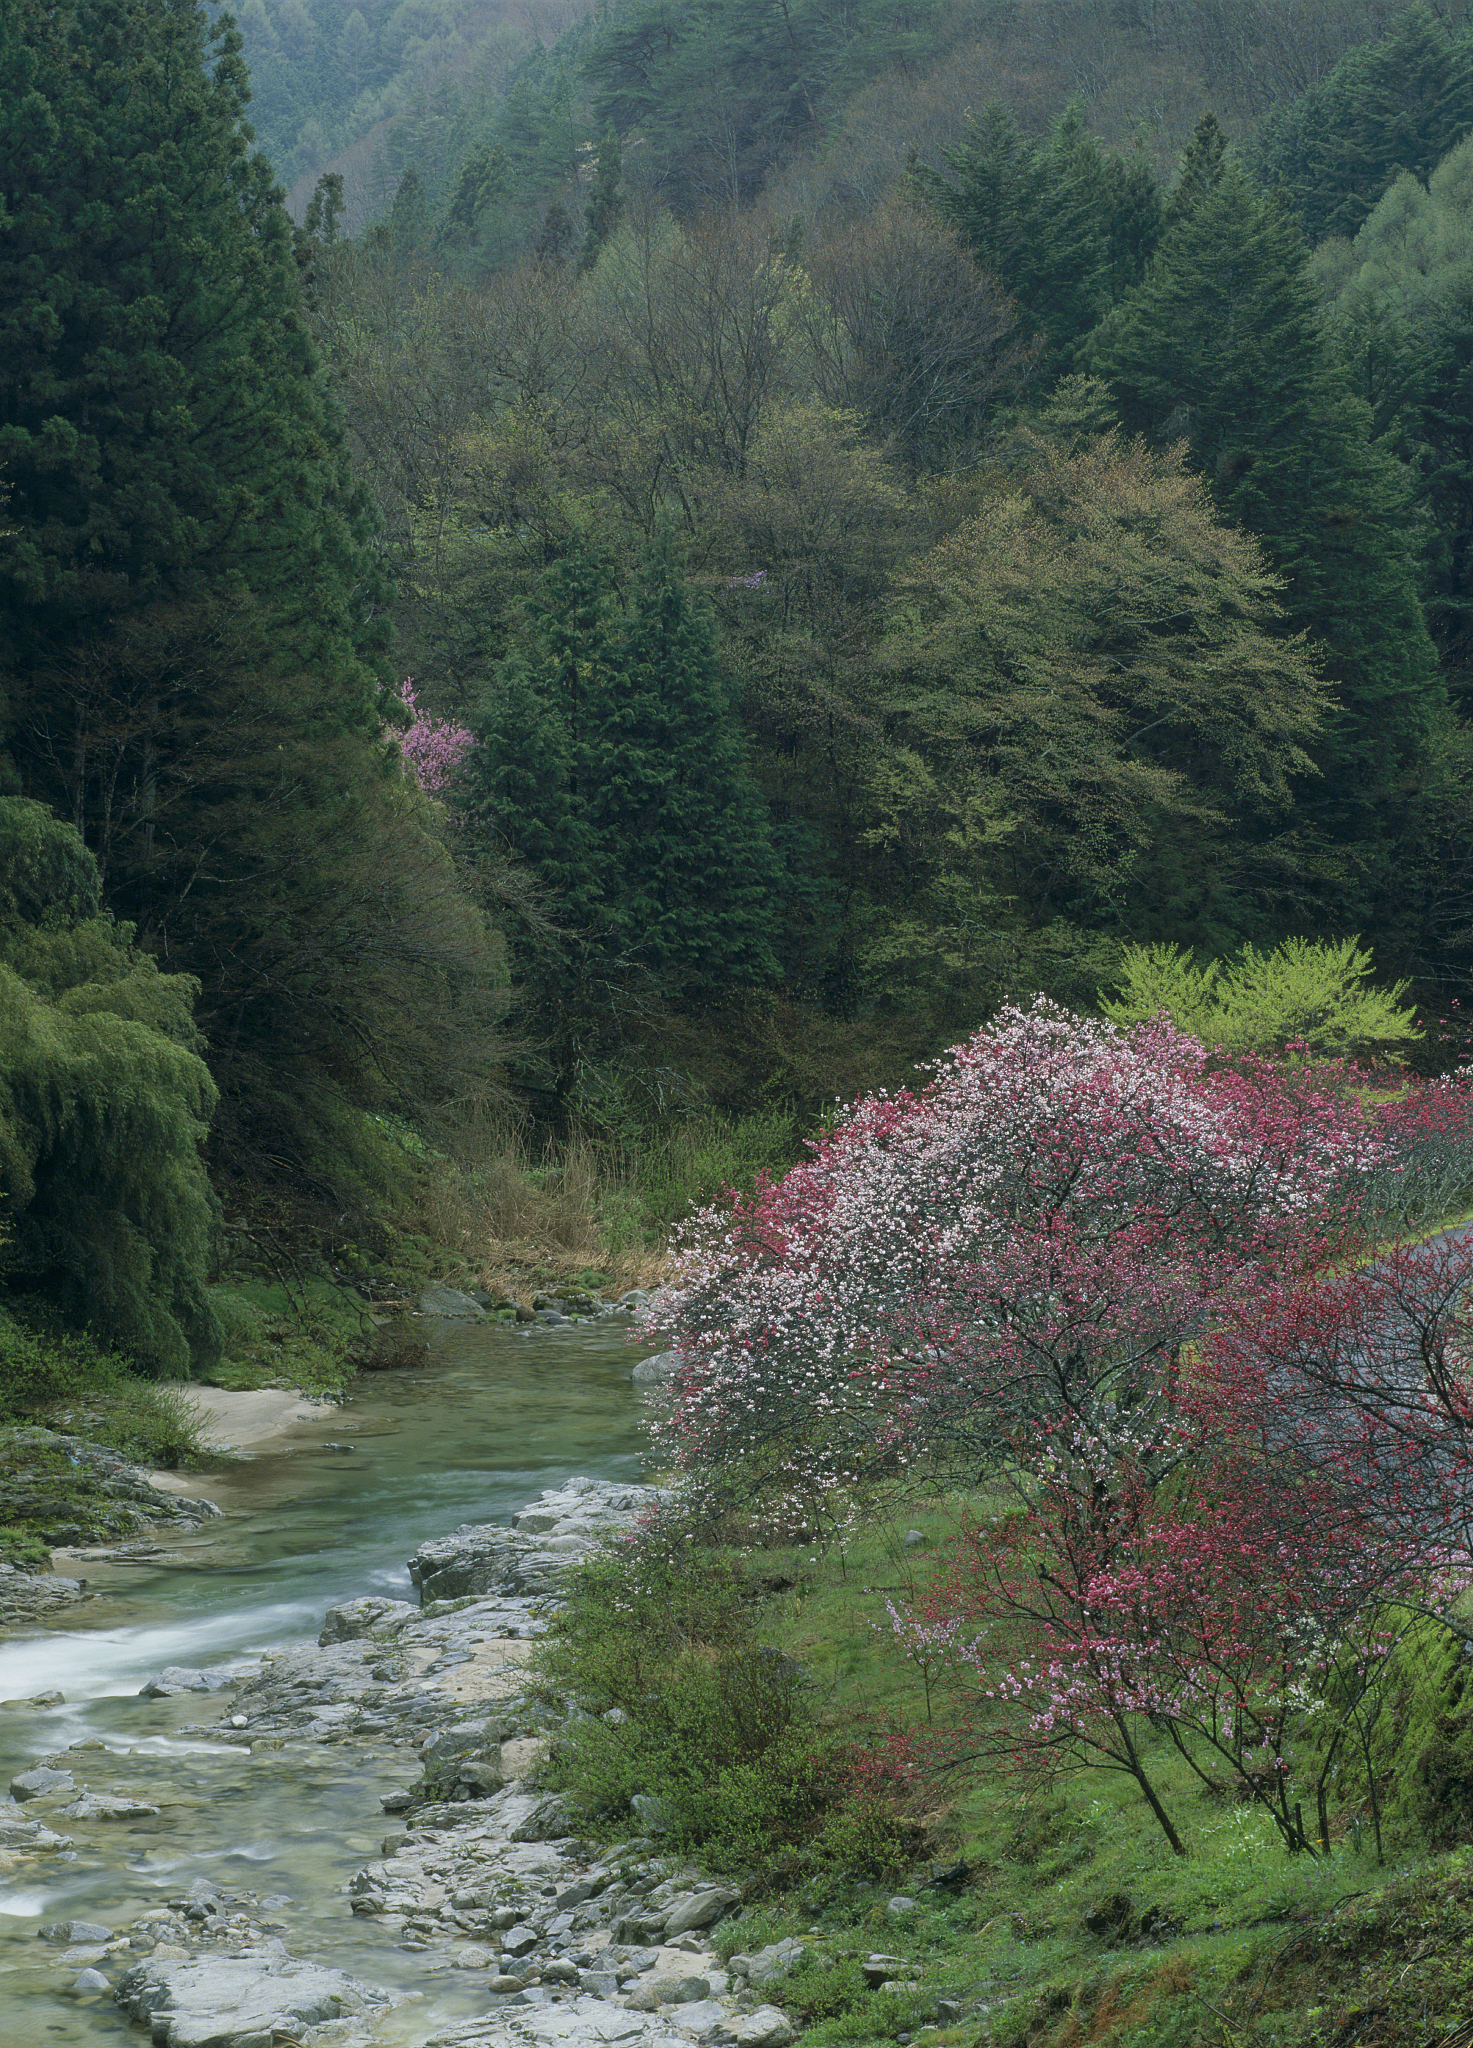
1012	1257
1324	1430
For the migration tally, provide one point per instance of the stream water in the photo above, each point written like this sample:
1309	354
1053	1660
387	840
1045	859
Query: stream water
496	1417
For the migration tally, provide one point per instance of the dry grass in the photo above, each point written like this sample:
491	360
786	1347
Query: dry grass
523	1222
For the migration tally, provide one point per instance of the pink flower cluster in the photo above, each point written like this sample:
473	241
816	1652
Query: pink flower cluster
433	747
1089	1260
1030	1238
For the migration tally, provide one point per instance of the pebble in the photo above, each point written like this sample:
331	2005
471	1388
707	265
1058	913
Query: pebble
483	1873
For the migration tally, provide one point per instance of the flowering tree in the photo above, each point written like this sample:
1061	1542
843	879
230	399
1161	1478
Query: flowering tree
1022	1247
1320	1500
433	747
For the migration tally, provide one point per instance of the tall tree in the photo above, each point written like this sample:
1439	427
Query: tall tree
609	760
1223	344
164	424
1391	105
190	598
1065	226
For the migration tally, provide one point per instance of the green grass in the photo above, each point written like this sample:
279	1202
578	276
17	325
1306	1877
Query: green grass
1073	1921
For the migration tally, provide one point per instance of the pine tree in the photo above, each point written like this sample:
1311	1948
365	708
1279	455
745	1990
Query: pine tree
1223	343
608	760
671	800
1065	227
190	597
1201	169
164	426
1396	104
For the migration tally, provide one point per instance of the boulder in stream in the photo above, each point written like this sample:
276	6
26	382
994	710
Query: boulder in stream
176	1678
241	2001
351	1619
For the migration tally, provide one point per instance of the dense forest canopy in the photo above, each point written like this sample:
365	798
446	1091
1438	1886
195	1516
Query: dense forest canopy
884	507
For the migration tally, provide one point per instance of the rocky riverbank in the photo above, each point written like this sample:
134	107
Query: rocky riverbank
479	1872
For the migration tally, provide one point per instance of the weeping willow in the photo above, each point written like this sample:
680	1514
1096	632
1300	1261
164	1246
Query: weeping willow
104	1103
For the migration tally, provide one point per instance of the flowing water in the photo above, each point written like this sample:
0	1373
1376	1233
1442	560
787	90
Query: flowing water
496	1417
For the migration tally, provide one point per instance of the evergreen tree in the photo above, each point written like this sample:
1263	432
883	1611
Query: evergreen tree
609	760
1395	104
605	200
409	217
190	598
164	426
1065	227
484	180
1201	169
1401	313
1223	343
671	800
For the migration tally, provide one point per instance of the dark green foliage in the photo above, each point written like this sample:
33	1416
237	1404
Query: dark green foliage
608	758
163	424
1223	344
190	603
484	180
714	1722
722	90
1397	104
605	200
556	237
409	217
104	1102
1401	310
1201	168
1065	226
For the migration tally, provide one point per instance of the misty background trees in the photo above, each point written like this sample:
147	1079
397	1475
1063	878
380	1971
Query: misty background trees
908	503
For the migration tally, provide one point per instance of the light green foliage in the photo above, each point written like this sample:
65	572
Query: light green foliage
1305	993
1080	683
104	1102
1224	342
711	1719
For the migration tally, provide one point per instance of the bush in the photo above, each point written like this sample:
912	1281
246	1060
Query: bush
1305	994
663	1635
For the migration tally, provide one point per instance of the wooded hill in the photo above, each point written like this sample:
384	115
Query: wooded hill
858	560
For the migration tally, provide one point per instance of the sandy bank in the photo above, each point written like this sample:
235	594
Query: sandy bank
248	1422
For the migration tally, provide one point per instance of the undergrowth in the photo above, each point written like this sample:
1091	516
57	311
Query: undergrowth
756	1695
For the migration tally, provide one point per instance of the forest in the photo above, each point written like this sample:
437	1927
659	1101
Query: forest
783	530
858	614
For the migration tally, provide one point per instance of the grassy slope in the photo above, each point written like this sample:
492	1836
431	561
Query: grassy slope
1042	1941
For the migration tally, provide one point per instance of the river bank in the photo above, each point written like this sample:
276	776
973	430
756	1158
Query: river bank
484	1880
232	1810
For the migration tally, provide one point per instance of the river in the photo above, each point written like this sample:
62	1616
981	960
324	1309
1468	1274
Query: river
496	1417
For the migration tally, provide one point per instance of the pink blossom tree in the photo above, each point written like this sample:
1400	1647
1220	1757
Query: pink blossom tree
1023	1245
433	748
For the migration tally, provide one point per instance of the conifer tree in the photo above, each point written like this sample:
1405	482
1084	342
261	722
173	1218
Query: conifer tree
190	598
605	200
1395	104
1066	227
609	760
1201	168
1223	343
164	426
